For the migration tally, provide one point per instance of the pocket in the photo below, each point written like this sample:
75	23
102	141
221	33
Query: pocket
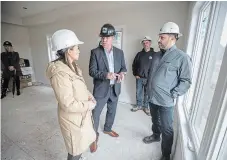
77	120
170	65
169	74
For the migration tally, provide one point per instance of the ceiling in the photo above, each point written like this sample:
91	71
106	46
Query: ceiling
15	8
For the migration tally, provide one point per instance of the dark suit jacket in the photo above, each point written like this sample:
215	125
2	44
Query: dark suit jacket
99	67
13	61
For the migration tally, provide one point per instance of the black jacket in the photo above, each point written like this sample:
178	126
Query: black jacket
99	67
10	59
141	63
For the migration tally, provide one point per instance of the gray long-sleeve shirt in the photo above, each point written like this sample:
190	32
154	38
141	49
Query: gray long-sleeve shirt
169	76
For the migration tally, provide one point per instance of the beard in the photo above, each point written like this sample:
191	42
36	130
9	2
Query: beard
161	46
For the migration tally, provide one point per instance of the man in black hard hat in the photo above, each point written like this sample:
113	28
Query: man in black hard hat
11	67
107	67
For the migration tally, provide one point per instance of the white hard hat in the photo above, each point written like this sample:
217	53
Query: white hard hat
170	27
146	38
63	39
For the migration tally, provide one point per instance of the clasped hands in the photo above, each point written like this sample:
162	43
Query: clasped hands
11	68
116	76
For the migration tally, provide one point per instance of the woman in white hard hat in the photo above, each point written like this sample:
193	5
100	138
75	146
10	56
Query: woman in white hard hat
75	102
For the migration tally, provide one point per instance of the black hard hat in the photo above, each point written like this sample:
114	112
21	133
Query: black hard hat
7	43
107	30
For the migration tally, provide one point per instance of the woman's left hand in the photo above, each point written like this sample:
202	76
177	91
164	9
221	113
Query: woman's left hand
90	98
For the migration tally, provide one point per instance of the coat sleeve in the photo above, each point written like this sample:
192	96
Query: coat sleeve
184	78
4	62
123	66
134	64
17	58
17	61
63	89
90	94
93	68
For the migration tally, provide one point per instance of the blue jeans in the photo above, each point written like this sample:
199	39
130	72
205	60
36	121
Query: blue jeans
141	92
162	119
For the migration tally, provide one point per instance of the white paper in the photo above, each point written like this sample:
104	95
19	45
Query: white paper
26	70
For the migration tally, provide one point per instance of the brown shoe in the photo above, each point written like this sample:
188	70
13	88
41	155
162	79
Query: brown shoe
112	133
94	145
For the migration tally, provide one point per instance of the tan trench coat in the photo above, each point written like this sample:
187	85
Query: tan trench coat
74	115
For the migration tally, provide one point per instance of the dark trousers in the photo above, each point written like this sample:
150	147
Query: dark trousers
6	82
70	157
111	99
141	92
162	119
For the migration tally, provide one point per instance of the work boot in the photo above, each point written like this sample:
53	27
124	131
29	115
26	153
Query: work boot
18	92
134	109
147	111
151	139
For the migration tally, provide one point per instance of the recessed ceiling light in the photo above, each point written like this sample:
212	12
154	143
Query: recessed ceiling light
25	8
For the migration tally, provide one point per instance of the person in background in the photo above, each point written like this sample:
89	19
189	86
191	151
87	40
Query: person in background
75	102
140	69
11	68
169	77
108	69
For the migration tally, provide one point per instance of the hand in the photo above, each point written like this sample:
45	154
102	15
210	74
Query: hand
91	98
137	77
91	105
112	76
11	68
121	77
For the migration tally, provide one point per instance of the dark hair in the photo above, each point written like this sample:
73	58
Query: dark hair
61	54
175	35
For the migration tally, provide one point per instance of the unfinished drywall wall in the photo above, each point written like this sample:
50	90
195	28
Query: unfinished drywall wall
19	37
137	20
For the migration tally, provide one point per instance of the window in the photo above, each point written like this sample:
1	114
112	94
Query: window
204	104
207	91
198	50
52	54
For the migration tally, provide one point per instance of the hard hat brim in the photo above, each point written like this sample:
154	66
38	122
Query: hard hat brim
145	40
80	42
179	34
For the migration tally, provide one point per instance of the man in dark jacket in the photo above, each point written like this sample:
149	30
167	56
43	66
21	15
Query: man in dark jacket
107	67
10	61
140	67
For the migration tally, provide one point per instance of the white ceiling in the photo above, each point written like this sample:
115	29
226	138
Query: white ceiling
15	8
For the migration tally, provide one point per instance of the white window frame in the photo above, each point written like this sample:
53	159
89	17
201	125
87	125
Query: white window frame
192	49
213	141
203	68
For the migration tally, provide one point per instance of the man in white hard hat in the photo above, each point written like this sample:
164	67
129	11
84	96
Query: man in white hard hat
140	67
169	77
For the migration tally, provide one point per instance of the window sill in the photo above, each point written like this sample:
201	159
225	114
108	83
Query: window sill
184	137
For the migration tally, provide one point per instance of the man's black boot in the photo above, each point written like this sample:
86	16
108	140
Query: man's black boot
151	139
165	158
